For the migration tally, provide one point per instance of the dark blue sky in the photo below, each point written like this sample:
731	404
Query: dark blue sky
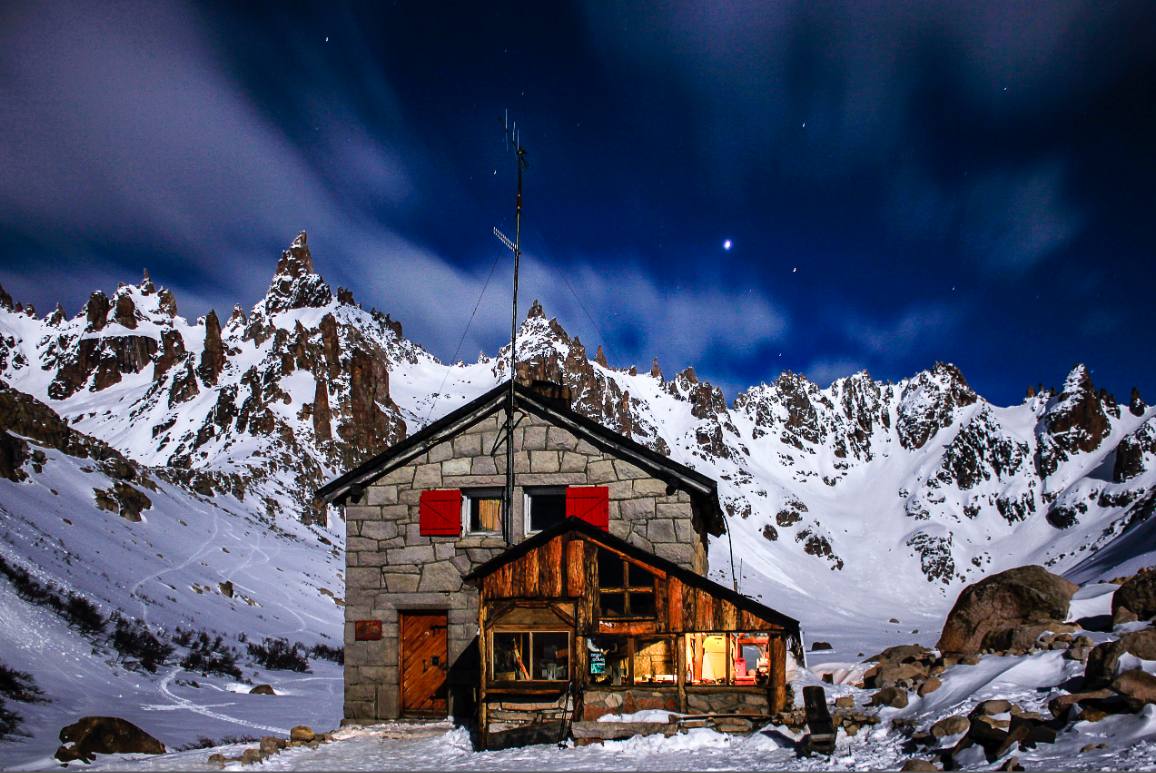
902	182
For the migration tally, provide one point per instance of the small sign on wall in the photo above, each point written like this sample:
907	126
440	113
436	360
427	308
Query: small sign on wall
367	630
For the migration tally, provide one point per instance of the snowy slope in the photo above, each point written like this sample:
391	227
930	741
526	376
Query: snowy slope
848	506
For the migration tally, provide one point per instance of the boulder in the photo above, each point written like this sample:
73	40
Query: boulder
1137	686
1142	644
820	645
991	707
845	702
896	697
262	689
904	664
953	725
1138	595
302	733
921	766
1060	704
931	685
90	736
1002	602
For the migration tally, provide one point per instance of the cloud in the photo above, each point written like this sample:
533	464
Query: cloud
123	128
919	326
825	370
1011	222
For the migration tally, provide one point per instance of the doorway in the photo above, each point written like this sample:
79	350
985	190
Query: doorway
424	656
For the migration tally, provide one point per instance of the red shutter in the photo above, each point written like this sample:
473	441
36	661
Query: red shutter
590	503
440	513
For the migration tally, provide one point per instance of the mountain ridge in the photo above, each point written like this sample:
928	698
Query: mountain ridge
307	383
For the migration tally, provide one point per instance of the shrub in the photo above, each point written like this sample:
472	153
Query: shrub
280	655
83	615
325	652
183	637
80	613
211	656
19	686
9	721
133	639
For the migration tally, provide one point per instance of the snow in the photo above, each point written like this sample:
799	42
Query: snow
871	506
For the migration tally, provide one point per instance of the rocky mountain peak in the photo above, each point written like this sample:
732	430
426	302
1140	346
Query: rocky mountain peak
535	310
96	310
928	403
295	285
1075	420
1136	403
5	299
146	284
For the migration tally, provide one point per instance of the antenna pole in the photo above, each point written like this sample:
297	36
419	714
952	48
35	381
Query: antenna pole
512	138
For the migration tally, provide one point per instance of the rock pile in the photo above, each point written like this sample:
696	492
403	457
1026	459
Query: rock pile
993	725
301	735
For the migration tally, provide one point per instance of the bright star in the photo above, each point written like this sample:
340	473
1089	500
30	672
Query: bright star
727	244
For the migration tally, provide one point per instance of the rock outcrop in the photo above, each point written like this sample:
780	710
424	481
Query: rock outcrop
1136	596
997	606
89	736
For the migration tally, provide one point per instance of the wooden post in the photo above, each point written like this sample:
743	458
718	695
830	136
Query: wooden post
680	675
484	678
778	655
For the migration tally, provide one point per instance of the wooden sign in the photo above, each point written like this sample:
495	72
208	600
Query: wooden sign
367	630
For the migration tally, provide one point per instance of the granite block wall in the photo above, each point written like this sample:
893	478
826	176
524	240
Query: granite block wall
390	566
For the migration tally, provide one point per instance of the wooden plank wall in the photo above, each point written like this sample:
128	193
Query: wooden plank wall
567	567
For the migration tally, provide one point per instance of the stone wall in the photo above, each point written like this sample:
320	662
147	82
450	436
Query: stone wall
390	566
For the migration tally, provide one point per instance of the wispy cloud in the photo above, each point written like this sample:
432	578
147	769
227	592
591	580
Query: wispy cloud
916	326
824	370
123	128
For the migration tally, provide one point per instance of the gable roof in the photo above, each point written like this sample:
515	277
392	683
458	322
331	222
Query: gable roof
699	486
693	579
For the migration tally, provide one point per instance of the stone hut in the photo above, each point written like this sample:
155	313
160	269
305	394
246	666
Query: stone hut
427	512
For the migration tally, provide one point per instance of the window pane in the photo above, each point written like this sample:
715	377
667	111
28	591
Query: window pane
641	604
706	658
752	658
485	514
640	577
546	509
654	661
613	603
551	656
608	661
511	656
610	574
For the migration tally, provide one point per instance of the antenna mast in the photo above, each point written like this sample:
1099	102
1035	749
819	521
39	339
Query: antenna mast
513	140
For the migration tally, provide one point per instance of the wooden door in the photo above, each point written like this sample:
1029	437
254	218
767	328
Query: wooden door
423	662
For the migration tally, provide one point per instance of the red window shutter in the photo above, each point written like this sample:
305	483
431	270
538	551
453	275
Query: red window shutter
440	513
590	503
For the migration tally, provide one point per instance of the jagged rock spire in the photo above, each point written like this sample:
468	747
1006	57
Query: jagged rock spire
655	371
5	299
600	357
295	285
535	310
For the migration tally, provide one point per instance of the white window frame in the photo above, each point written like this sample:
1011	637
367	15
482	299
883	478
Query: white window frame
484	492
527	495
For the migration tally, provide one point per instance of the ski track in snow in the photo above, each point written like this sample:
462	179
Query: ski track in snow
205	709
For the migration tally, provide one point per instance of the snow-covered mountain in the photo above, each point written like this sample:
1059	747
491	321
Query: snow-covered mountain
868	499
